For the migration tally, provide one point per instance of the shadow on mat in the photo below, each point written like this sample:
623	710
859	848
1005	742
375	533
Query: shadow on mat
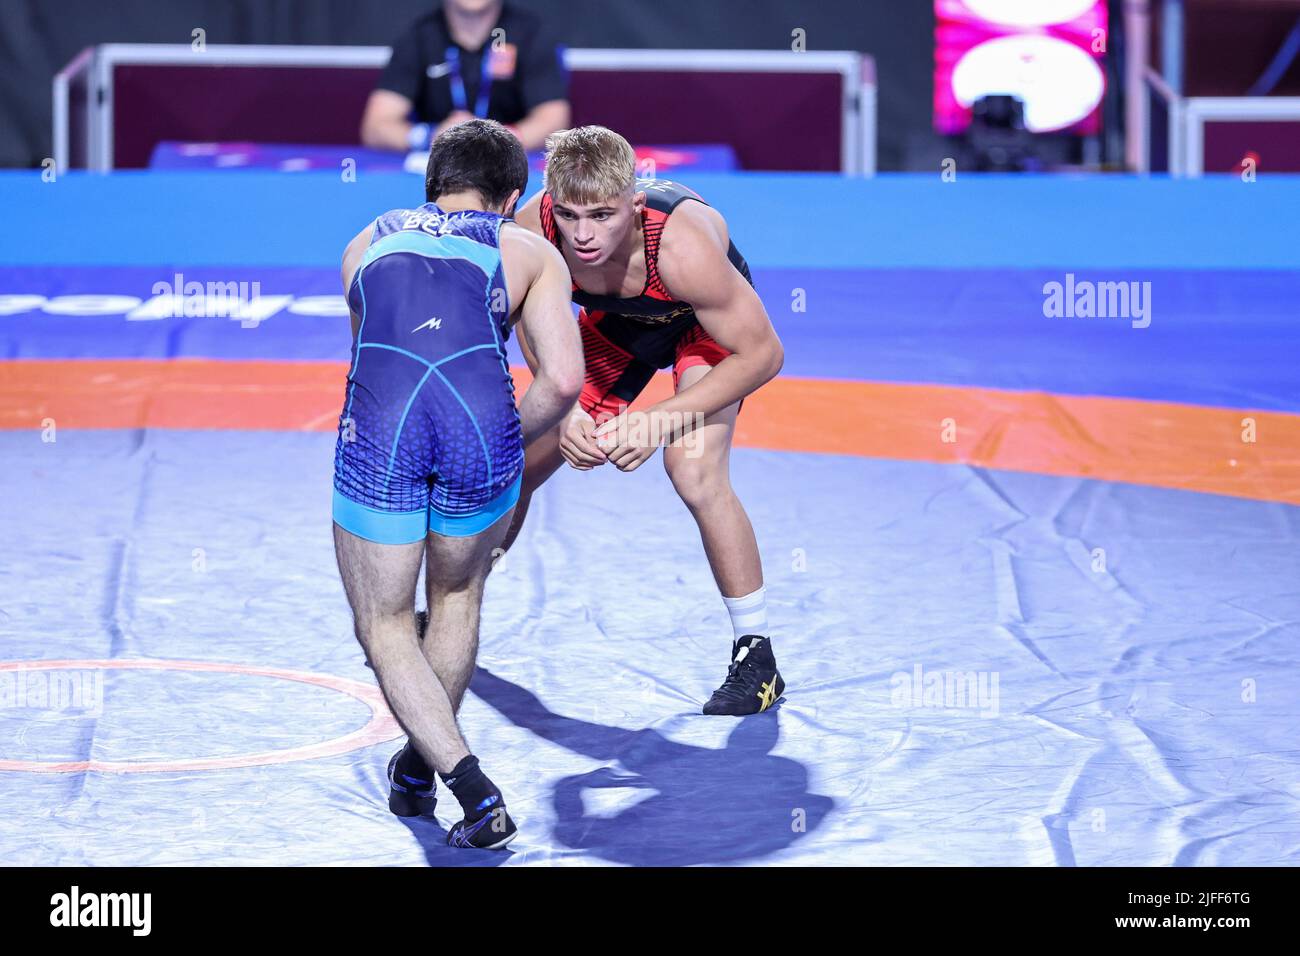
709	806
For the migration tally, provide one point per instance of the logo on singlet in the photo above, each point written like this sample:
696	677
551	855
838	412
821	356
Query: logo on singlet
433	324
655	185
434	224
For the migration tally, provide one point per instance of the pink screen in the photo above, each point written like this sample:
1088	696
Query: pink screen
1050	53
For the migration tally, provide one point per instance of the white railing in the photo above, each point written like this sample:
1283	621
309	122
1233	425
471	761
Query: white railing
1187	116
76	72
858	112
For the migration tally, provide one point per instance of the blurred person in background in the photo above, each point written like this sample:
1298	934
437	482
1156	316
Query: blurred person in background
469	59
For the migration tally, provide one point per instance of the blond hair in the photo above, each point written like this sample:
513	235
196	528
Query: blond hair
588	164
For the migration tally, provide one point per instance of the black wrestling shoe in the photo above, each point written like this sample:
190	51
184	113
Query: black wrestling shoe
492	831
753	683
407	796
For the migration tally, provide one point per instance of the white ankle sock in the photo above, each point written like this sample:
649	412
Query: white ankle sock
748	613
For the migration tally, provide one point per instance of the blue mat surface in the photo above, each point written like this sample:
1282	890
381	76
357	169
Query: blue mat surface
1114	725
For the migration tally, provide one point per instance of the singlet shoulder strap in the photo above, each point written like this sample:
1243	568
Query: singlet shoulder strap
546	212
653	222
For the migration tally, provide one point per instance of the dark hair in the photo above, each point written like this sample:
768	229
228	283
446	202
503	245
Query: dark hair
482	155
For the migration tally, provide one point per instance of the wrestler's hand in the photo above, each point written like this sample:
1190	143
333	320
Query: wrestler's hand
628	440
577	444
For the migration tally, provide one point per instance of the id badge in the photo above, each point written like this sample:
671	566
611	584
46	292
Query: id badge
501	61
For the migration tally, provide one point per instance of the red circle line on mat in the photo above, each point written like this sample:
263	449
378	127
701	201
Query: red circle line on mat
379	728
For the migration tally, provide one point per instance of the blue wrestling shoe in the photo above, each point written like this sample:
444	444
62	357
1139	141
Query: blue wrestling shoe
410	796
492	831
487	825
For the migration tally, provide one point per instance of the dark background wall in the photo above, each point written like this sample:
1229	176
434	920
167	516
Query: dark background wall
39	37
1229	42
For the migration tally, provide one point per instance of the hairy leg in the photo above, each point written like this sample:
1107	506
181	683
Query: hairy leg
454	576
380	582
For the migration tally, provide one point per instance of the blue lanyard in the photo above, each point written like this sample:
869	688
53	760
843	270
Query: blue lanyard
458	100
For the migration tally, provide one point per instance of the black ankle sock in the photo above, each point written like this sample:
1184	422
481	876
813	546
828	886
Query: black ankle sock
477	794
411	765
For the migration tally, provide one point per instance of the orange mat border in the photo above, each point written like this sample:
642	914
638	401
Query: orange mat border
1163	444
